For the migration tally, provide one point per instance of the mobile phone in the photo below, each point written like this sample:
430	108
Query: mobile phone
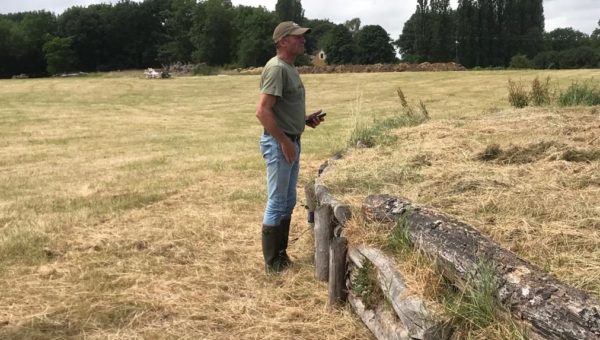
320	116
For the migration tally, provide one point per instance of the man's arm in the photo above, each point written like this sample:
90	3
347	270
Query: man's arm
264	113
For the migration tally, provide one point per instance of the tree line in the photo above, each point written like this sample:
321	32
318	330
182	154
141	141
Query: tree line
494	33
134	35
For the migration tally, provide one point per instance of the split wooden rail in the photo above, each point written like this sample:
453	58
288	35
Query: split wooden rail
549	308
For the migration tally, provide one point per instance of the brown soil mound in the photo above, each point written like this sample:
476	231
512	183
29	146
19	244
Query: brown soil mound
402	67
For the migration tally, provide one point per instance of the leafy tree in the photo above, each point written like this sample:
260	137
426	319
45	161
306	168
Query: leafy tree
429	34
595	37
532	32
178	22
123	23
289	10
212	33
423	30
59	55
319	29
8	60
546	60
562	39
34	27
339	45
580	57
406	40
253	29
353	25
87	28
442	35
520	61
467	33
374	46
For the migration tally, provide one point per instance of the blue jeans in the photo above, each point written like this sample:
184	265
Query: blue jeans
282	178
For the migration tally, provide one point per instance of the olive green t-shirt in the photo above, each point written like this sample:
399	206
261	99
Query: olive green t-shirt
282	80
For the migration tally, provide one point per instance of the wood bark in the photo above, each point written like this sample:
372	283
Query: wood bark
341	211
310	196
380	322
552	309
337	271
411	310
323	236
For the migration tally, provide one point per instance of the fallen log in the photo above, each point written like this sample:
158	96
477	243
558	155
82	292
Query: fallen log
379	321
552	309
341	211
410	309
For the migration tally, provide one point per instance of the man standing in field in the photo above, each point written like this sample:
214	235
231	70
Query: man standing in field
281	110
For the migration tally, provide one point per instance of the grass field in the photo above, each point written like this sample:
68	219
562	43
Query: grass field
131	208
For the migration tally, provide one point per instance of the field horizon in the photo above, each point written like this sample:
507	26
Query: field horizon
131	208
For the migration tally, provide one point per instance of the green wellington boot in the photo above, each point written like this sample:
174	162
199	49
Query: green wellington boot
284	258
272	240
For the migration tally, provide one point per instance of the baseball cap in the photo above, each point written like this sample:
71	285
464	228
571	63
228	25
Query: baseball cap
288	28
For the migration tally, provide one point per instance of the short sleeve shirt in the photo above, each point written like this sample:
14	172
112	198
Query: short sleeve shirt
282	80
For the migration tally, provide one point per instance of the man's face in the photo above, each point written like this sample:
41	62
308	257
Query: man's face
295	44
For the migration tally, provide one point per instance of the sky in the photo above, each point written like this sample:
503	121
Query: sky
582	15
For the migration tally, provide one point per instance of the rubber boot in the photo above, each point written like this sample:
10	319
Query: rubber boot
284	258
271	245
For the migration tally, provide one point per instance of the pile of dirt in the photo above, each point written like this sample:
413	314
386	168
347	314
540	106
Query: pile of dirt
402	67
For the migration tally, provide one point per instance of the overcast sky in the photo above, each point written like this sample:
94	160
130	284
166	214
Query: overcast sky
582	15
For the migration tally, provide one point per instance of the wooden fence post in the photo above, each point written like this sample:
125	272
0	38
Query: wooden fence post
337	271
323	235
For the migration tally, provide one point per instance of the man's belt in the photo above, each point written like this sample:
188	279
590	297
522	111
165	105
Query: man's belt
294	138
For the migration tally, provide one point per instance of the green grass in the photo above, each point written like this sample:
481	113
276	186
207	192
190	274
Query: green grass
581	93
477	306
399	240
366	285
369	134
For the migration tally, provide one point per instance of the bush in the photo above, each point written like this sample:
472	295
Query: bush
540	92
580	57
517	95
585	93
520	62
546	60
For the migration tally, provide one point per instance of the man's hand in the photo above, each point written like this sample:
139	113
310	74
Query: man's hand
289	150
313	121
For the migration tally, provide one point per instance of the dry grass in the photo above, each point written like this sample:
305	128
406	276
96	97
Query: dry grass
527	178
131	208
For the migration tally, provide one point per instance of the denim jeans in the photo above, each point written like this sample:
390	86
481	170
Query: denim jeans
282	178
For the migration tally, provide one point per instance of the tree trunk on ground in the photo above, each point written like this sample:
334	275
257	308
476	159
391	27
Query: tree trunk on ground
410	309
552	309
381	322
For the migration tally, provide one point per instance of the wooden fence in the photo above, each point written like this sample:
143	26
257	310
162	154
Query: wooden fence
547	307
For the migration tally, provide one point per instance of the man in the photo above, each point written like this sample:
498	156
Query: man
281	111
